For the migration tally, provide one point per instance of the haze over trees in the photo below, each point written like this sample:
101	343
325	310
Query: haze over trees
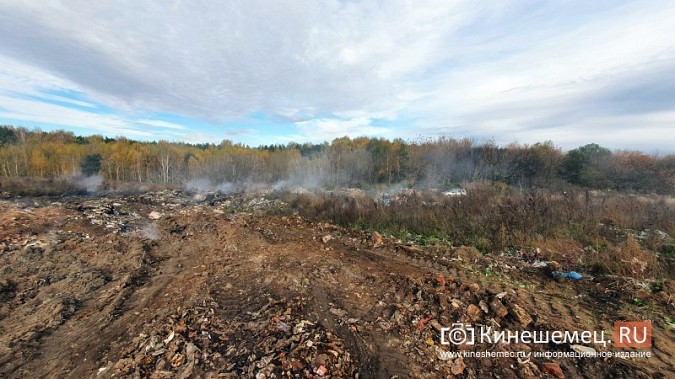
345	162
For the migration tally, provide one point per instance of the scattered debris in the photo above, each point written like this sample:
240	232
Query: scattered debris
473	311
458	366
199	340
554	369
583	349
377	240
571	275
499	308
519	313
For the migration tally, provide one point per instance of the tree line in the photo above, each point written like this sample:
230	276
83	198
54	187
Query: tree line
345	162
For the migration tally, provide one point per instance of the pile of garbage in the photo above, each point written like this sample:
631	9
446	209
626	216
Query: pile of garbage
274	341
113	216
418	310
168	198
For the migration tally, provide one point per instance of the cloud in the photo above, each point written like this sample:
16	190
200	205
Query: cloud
31	111
327	129
609	66
221	60
160	124
507	70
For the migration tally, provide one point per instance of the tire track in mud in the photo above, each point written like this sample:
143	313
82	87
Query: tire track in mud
113	312
314	265
116	311
383	347
369	274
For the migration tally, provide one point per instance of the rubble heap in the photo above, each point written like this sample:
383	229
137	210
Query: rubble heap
273	342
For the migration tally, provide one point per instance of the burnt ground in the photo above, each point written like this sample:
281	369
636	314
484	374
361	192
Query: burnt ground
160	285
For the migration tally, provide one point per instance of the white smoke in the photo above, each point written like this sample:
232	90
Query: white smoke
150	231
199	185
226	188
90	183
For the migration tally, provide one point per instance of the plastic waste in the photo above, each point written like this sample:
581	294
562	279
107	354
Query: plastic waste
571	275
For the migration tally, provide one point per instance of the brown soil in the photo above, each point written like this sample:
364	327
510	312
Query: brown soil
96	288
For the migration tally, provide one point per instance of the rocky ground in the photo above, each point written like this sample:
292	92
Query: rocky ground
168	285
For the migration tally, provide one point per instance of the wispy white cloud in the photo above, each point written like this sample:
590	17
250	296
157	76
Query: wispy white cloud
160	124
66	100
40	112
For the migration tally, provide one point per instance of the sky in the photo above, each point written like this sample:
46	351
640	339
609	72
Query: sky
276	71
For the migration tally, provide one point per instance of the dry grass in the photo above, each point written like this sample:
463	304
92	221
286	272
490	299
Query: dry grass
579	229
631	259
39	187
568	252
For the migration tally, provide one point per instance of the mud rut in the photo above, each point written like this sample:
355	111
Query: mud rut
237	264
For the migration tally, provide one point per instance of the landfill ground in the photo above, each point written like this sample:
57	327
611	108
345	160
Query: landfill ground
168	285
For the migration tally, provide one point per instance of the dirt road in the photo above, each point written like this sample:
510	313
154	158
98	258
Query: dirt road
162	285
